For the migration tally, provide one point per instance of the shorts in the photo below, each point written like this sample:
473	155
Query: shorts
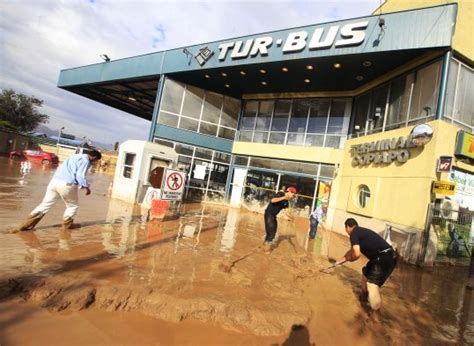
379	268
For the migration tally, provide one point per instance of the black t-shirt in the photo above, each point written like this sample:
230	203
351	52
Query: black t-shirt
275	208
370	242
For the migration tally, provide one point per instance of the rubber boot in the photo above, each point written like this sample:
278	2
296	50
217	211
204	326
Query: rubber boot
67	223
31	222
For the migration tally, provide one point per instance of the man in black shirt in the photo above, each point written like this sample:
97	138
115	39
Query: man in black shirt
382	260
277	203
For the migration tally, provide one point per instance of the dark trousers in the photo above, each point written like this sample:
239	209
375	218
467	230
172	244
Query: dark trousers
313	227
270	226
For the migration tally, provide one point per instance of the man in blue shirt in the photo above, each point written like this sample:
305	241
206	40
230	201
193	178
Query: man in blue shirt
69	177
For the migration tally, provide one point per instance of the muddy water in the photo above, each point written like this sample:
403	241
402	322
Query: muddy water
173	271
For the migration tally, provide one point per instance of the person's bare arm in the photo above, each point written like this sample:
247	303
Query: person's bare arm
279	199
352	255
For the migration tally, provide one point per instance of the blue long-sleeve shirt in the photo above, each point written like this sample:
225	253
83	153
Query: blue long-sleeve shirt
74	169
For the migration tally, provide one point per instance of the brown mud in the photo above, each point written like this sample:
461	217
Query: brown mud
202	275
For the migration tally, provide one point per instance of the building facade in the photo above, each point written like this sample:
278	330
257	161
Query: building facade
328	108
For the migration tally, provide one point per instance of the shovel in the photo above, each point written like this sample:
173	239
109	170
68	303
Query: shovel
328	269
228	267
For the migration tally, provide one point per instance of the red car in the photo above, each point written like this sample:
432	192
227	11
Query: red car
34	155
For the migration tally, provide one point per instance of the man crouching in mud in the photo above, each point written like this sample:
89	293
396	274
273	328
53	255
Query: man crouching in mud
277	203
382	260
70	176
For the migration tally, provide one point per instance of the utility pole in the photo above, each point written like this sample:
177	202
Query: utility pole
59	137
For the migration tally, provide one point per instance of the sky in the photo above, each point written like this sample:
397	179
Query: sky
38	38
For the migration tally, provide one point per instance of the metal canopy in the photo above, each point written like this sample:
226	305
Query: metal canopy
138	96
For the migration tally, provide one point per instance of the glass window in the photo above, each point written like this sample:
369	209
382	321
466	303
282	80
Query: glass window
199	174
212	107
425	91
306	168
184	164
129	160
195	194
172	96
299	116
333	142
230	112
208	129
327	171
318	116
305	187
295	139
377	108
203	153
245	136
277	138
338	122
264	115
259	188
399	98
218	176
222	157
188	124
184	149
363	196
260	137
226	133
314	140
360	113
281	115
241	160
451	87
168	119
250	113
464	108
193	98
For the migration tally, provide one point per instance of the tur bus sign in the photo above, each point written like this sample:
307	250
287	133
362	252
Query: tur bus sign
348	35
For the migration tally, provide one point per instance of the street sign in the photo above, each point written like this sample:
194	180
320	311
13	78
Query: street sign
444	164
444	187
173	185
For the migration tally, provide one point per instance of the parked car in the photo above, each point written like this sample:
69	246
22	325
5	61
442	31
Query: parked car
34	155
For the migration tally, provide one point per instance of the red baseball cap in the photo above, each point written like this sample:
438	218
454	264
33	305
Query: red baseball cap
291	189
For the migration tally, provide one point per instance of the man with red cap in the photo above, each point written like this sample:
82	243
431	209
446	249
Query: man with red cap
277	203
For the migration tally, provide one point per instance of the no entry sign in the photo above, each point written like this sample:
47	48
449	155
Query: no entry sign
173	185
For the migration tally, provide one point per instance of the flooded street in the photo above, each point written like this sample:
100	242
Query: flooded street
118	278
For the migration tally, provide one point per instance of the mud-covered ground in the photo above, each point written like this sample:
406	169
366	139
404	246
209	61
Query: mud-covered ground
200	279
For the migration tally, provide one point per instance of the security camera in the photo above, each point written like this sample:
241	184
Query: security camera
381	23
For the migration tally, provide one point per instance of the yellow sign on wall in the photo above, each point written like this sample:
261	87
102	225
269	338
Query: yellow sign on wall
444	187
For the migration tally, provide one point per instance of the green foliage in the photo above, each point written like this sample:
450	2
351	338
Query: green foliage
7	125
20	112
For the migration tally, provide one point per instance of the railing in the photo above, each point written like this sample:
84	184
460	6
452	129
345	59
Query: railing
400	239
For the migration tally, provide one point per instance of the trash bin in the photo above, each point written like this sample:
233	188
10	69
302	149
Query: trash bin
158	209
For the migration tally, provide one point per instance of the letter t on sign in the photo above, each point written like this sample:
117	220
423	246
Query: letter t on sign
224	47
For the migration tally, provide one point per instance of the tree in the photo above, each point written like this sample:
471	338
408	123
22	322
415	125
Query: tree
20	111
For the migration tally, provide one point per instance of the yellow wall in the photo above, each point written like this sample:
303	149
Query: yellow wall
289	152
400	193
462	40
